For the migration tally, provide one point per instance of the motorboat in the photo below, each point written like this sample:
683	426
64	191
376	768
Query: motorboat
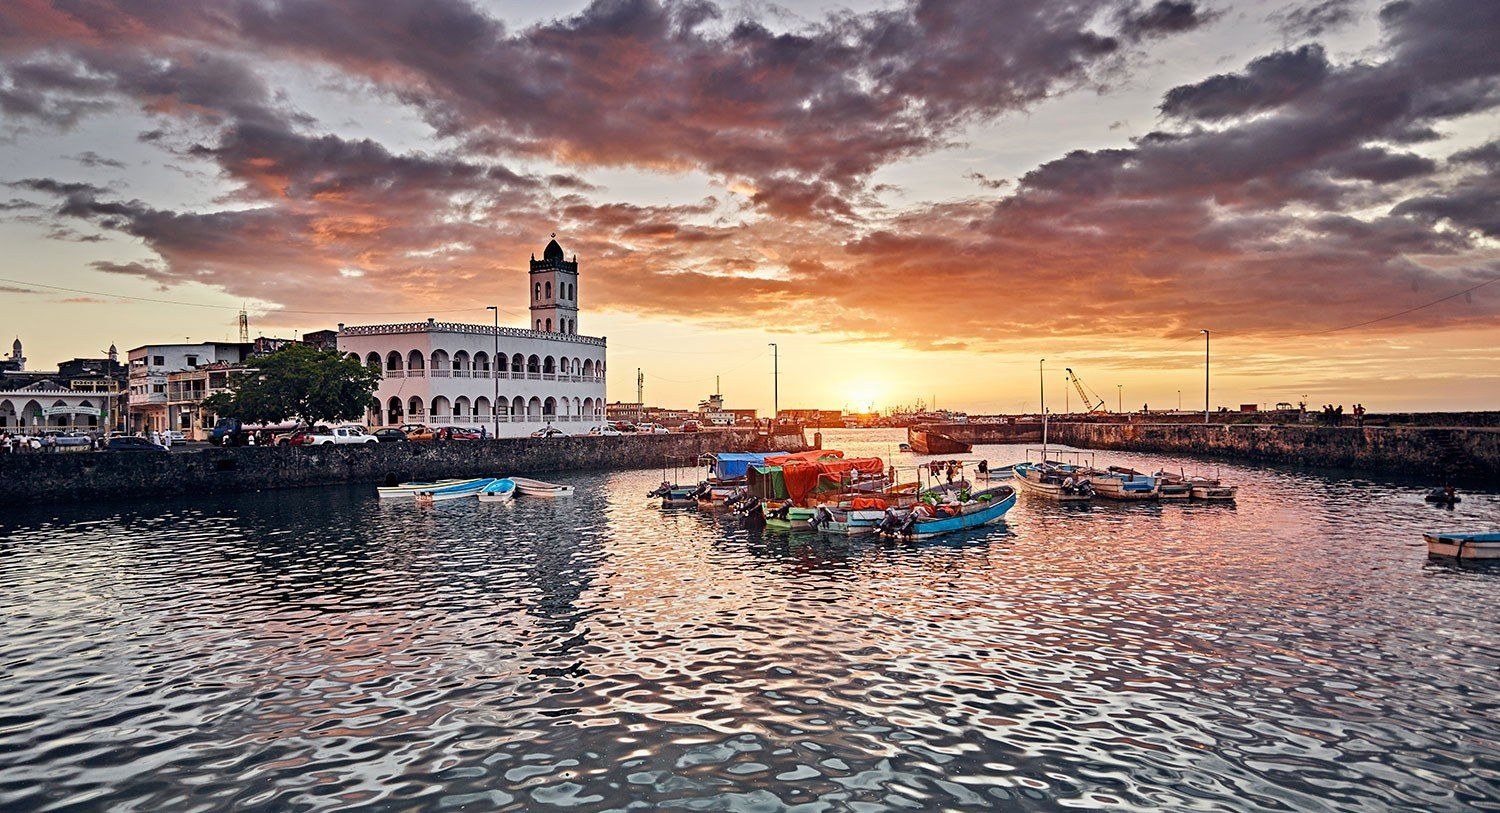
408	490
1212	489
1462	545
675	496
785	516
1117	483
1052	481
441	493
981	508
501	490
537	488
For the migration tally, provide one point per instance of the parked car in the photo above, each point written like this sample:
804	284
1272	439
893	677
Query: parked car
390	434
549	432
691	426
323	436
131	443
605	432
419	432
176	435
624	427
652	429
457	433
62	440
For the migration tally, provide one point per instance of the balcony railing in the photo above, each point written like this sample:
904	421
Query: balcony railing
395	373
417	373
441	373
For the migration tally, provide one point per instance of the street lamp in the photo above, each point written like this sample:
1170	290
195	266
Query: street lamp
775	384
1120	398
1205	375
494	372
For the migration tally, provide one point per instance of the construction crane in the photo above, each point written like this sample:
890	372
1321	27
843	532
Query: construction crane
1099	407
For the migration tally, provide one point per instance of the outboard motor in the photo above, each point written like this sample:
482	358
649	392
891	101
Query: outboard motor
822	516
662	490
752	518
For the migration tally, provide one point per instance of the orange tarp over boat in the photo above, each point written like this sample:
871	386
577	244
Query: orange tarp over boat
801	477
812	456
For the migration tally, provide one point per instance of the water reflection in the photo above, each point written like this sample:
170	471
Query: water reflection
314	649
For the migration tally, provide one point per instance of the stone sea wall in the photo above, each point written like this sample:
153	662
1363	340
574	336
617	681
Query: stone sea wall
1439	451
60	477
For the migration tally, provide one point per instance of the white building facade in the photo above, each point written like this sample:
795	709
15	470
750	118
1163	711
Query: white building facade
506	380
151	407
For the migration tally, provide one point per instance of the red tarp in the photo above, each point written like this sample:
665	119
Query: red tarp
803	457
801	477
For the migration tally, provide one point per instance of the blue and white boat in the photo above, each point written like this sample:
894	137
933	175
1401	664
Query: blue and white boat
982	508
501	490
1117	483
1463	545
439	493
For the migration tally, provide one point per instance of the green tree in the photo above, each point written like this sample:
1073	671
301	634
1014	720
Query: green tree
301	382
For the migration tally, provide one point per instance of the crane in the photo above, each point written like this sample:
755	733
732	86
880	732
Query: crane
1099	407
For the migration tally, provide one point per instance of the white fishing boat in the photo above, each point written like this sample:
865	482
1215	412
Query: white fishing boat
406	491
845	521
1116	483
1060	483
502	490
538	488
1462	545
452	492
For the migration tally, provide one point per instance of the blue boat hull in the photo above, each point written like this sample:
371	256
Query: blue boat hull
991	513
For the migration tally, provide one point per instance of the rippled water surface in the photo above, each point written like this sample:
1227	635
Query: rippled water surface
314	650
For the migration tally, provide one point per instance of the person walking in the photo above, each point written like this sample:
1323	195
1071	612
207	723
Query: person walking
166	440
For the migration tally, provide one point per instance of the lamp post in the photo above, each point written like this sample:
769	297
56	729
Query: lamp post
775	385
1205	375
1041	377
1120	398
494	373
1179	400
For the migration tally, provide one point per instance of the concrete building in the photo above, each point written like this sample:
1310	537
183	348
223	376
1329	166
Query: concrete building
151	366
510	380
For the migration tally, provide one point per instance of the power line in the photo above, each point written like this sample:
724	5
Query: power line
1408	310
160	301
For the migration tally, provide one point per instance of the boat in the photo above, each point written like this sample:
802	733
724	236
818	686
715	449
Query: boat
675	496
1212	490
440	493
785	516
537	488
853	517
1444	496
1462	545
981	508
926	441
1117	483
1171	486
502	490
1052	481
406	491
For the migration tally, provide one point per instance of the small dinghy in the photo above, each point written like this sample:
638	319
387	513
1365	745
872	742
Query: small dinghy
502	490
1461	545
675	496
537	488
1444	496
441	493
406	491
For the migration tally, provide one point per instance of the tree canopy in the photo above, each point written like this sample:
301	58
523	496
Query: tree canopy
301	382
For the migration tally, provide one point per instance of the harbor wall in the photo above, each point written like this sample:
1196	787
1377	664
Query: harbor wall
82	476
990	433
1440	451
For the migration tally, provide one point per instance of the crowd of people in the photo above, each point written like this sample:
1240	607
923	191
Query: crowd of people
1334	415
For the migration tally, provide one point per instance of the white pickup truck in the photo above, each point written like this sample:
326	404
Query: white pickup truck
342	434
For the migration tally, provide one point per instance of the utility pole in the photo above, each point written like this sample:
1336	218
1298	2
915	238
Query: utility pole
775	382
495	373
1120	398
1041	377
1179	400
1205	377
1067	396
640	394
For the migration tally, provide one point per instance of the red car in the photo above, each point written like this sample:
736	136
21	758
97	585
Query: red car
456	433
302	437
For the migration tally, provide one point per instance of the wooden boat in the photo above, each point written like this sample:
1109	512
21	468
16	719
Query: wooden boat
1171	486
680	497
787	517
406	491
441	493
1060	483
502	490
852	517
1204	488
536	488
982	508
924	441
718	496
1461	545
1116	483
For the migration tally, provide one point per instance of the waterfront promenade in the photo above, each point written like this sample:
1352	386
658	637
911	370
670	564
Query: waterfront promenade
67	477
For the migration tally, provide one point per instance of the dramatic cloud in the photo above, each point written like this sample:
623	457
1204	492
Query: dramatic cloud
1291	194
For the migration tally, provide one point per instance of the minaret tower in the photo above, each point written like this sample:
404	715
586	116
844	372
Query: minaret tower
554	291
20	358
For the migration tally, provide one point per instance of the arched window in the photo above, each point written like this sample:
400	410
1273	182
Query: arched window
482	364
588	368
415	362
549	325
549	365
414	410
461	408
538	295
588	406
394	415
441	409
517	364
534	407
549	407
533	365
461	363
517	408
502	363
373	361
482	409
549	290
440	363
393	360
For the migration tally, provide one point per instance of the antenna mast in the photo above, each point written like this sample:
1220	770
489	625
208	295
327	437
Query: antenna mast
244	327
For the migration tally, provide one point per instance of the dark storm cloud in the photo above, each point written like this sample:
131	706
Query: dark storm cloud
1162	17
1267	82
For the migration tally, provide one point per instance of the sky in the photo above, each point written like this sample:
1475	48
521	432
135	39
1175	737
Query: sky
916	202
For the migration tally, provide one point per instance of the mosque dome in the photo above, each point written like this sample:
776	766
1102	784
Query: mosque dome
553	251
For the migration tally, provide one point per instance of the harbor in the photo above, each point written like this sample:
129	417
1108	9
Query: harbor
596	650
